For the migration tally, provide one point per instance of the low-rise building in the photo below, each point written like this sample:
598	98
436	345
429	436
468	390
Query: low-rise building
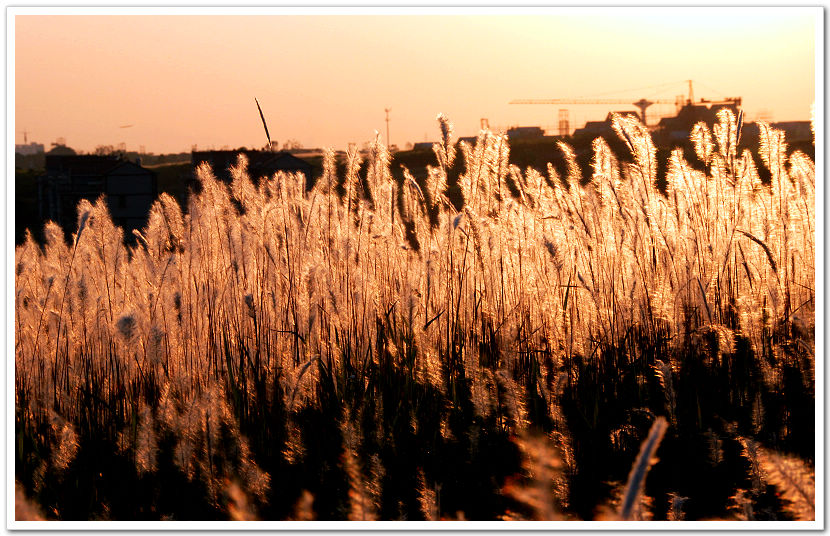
525	133
423	146
27	149
129	189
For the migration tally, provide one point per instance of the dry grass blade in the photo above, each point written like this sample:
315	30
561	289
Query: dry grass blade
638	473
300	377
262	116
764	247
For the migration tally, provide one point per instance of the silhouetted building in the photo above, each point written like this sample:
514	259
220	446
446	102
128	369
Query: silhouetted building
129	189
27	149
28	160
594	129
795	130
600	129
260	163
798	134
678	128
525	133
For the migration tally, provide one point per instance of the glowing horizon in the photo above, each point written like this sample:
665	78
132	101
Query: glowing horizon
325	80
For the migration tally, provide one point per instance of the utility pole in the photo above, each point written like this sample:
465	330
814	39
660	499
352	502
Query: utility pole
388	141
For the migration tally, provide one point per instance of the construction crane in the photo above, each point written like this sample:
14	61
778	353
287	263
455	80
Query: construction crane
641	104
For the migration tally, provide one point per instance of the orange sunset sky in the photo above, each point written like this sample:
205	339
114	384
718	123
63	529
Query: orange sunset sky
324	80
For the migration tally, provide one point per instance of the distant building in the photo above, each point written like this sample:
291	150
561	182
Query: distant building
670	130
260	163
600	129
678	128
795	130
28	149
29	156
129	189
798	134
525	133
423	146
594	129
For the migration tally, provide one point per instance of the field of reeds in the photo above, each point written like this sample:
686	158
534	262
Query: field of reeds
479	342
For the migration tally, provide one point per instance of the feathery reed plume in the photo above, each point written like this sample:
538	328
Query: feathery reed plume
793	479
544	488
702	140
446	150
67	442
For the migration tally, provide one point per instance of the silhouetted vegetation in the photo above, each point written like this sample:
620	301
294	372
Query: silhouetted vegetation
477	341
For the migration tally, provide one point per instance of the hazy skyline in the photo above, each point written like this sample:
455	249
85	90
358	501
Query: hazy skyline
324	80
